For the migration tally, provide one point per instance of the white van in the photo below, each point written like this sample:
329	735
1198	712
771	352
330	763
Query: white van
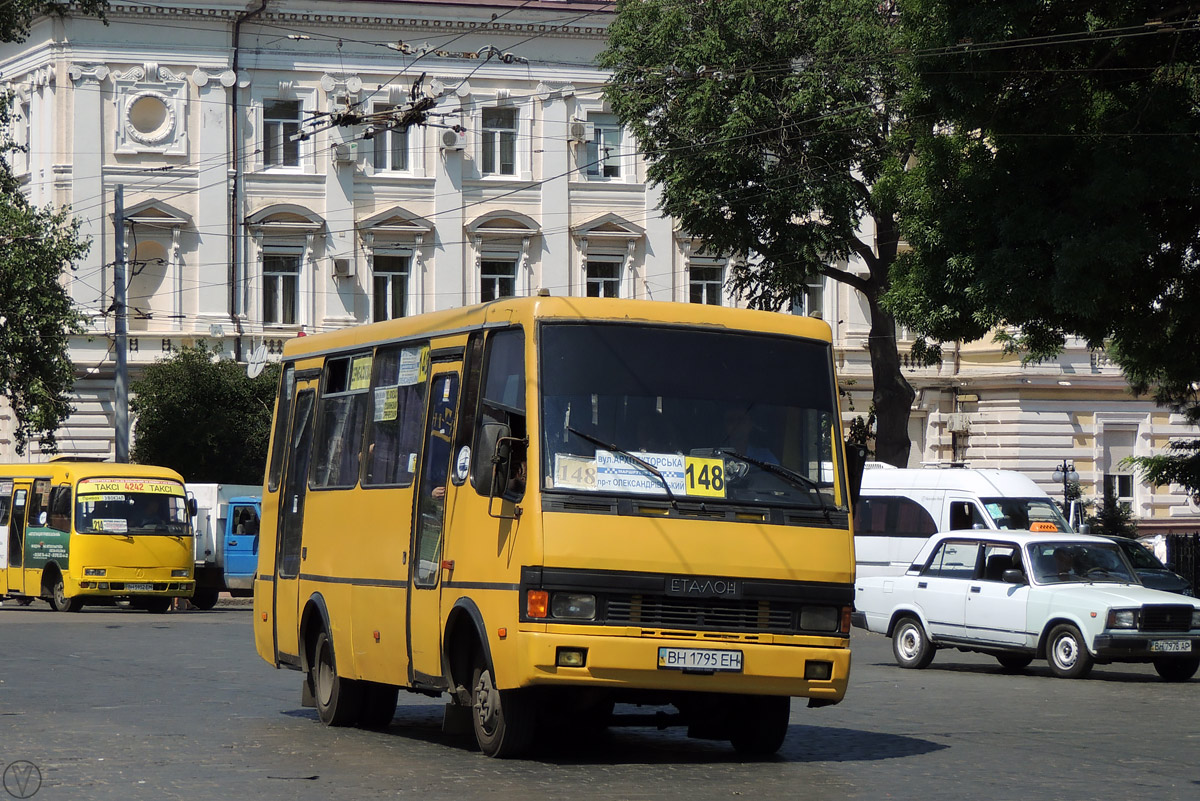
898	509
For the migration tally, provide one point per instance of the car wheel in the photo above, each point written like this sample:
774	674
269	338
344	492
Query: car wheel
1013	661
1176	669
1068	655
504	720
339	701
910	645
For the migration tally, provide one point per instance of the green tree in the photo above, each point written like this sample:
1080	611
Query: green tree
769	126
1055	186
15	15
202	416
37	317
1113	518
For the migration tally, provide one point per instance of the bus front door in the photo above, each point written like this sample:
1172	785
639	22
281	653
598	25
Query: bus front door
434	495
16	540
289	551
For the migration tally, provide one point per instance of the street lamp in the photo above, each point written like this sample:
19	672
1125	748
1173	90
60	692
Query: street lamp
1066	473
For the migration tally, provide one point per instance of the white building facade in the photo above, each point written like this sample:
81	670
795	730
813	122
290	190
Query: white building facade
249	218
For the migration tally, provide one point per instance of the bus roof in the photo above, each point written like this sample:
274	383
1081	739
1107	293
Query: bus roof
526	310
69	470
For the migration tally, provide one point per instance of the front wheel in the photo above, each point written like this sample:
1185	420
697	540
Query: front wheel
1068	655
761	725
1175	668
59	599
339	701
910	645
504	720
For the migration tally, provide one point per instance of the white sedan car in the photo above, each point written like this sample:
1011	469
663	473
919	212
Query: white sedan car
1071	599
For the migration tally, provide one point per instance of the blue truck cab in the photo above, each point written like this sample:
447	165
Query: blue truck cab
226	526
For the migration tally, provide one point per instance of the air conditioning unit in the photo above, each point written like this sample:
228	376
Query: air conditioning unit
343	268
454	140
958	423
345	153
579	131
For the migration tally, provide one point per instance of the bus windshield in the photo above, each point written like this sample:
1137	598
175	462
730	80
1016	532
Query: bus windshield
721	416
131	506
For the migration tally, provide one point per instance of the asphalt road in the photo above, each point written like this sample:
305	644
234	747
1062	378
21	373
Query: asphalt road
128	705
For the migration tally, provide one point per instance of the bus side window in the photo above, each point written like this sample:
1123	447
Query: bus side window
287	388
502	403
60	508
472	372
6	497
396	417
341	419
39	503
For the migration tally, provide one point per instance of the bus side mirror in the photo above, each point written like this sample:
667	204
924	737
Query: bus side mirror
192	507
1085	528
492	464
856	460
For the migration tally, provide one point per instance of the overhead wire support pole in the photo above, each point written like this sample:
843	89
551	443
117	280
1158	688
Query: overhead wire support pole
121	403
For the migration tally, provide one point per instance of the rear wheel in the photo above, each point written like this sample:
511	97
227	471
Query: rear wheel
339	701
205	598
910	646
761	724
1175	668
378	705
59	599
504	720
1068	655
1014	661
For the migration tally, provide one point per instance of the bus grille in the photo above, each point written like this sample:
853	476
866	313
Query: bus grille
715	614
1166	618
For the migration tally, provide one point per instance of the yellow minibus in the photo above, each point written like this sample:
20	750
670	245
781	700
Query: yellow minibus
543	507
76	532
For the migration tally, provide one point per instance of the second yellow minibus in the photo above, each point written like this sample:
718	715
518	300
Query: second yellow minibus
76	532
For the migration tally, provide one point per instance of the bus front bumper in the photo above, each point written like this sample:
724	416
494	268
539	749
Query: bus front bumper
630	662
174	588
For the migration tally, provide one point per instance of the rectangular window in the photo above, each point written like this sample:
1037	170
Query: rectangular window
281	288
603	279
810	301
604	149
281	123
499	141
1118	475
497	279
341	421
397	415
954	560
390	291
704	283
390	145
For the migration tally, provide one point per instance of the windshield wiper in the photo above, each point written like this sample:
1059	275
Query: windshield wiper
642	463
799	479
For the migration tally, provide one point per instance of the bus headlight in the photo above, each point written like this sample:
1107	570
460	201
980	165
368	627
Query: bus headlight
1122	618
574	605
95	571
180	573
